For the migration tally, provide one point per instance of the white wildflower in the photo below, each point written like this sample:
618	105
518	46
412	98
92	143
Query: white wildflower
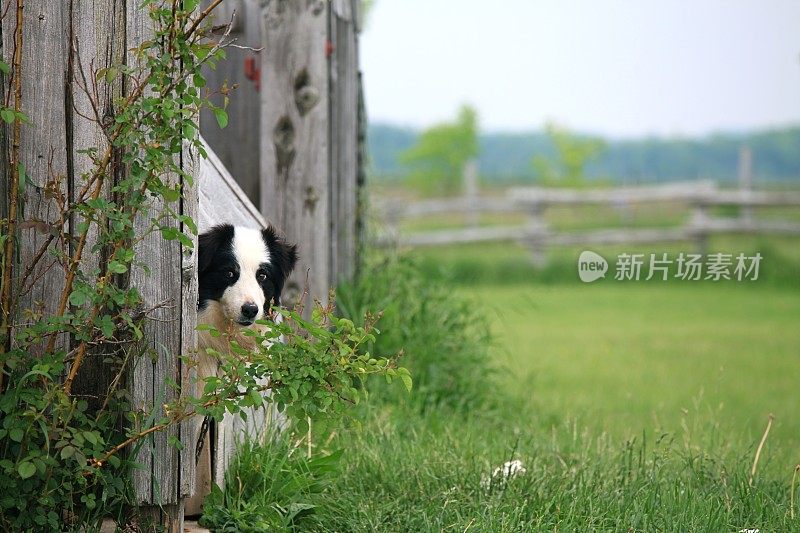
501	474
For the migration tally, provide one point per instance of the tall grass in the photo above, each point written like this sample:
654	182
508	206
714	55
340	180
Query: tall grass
441	335
413	473
272	485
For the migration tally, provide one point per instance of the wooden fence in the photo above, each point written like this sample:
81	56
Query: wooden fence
533	202
301	127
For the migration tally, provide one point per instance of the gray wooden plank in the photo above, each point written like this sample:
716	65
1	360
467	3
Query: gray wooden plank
222	200
98	43
237	145
295	140
43	145
342	9
142	377
159	482
345	142
188	315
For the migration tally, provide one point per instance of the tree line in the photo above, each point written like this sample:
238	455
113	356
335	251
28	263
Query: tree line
553	154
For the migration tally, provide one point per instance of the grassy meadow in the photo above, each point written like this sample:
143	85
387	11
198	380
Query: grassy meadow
632	406
626	358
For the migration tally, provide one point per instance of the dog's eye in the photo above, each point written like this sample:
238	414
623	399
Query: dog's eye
261	276
230	274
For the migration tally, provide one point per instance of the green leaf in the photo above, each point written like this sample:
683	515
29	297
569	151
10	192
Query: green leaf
185	240
190	5
77	298
256	398
7	114
16	434
107	327
4	67
67	452
189	131
175	442
115	267
221	116
169	234
171	195
26	469
190	223
110	74
90	436
407	381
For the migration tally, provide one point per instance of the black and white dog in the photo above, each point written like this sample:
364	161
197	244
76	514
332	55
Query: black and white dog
241	275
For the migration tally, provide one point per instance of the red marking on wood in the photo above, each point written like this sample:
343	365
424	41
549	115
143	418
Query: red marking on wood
252	72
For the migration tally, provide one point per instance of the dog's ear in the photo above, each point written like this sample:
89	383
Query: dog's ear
209	243
283	255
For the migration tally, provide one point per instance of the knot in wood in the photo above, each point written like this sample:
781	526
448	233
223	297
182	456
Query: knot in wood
283	139
306	95
311	199
316	6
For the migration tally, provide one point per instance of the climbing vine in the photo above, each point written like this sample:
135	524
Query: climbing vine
65	459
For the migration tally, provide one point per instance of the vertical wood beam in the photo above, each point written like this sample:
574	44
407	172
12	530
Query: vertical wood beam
344	139
295	140
43	146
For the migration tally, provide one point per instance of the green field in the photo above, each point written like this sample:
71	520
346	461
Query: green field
627	358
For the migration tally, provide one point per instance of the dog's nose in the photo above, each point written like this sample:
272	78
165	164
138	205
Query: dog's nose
249	310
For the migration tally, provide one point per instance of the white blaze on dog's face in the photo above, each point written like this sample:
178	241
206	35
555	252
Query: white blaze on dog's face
241	274
243	302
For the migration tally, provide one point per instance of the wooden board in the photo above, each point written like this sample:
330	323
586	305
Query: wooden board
295	142
99	44
237	146
222	200
190	162
43	143
344	141
153	381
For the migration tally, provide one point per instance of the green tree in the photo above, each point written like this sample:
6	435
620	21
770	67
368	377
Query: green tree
572	154
436	162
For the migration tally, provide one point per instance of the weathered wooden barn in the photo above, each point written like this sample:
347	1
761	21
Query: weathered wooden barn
291	155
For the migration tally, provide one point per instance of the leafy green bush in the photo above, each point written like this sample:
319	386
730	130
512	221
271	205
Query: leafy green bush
312	368
441	336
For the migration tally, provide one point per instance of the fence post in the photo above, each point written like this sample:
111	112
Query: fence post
471	192
344	127
309	136
536	233
700	220
746	182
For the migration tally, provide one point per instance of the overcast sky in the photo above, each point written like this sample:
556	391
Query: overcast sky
615	67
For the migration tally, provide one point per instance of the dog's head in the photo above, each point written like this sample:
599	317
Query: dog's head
242	271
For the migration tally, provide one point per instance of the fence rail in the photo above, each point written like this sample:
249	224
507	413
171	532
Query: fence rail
538	235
